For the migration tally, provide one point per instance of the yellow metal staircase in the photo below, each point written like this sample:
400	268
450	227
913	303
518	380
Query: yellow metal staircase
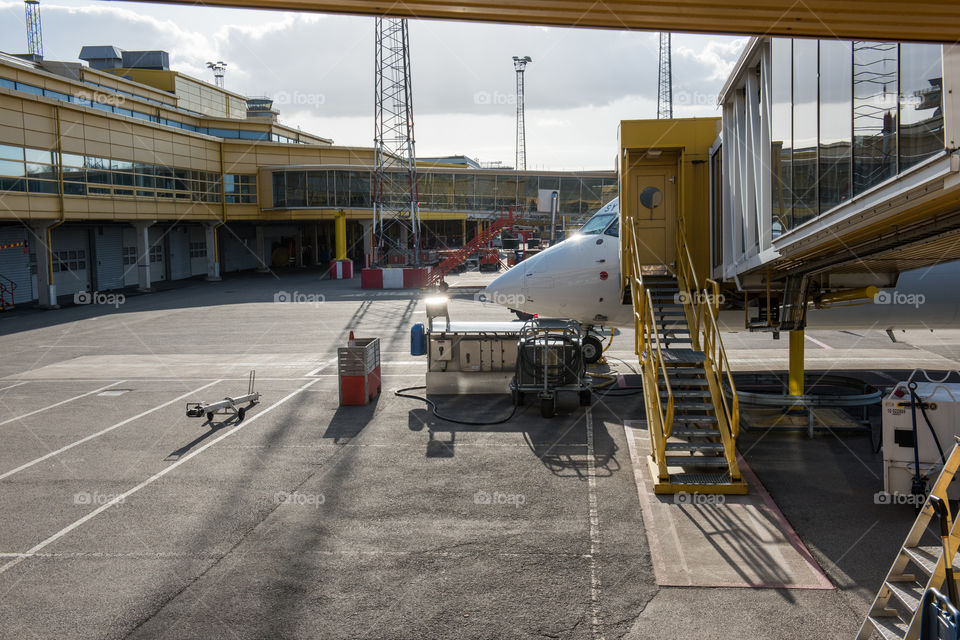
693	426
919	566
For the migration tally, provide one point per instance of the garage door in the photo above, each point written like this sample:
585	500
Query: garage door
239	246
179	252
71	259
198	251
108	240
15	262
158	255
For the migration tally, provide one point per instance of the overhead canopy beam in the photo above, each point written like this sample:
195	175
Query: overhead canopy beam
929	21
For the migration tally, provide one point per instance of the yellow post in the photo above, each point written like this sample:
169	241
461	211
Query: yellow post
463	230
796	363
340	230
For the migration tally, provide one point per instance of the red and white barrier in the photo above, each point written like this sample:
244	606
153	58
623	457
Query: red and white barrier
341	270
405	278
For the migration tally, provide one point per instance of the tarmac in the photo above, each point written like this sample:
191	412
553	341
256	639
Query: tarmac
123	518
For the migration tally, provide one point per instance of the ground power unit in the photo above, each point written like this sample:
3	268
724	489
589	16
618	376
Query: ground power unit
913	427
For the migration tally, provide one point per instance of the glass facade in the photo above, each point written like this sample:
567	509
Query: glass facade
484	191
37	171
921	103
846	116
874	113
836	104
804	161
781	133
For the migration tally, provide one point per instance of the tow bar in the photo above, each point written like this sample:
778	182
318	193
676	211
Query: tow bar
227	405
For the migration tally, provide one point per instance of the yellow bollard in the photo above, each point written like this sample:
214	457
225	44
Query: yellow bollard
796	363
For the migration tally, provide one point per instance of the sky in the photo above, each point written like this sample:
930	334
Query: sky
319	70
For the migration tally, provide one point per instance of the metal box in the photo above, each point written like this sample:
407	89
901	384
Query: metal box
943	409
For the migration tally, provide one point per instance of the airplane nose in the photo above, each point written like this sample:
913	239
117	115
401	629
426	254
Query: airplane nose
507	289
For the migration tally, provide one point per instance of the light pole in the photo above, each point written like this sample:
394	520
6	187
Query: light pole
219	68
520	64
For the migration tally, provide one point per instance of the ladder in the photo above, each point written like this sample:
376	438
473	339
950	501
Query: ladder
918	567
460	255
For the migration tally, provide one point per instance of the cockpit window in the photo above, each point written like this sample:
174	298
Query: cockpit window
597	223
613	229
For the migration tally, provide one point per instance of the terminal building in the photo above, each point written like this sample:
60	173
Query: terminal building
118	171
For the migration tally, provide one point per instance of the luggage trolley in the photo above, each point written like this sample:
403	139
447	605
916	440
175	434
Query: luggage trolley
550	364
227	406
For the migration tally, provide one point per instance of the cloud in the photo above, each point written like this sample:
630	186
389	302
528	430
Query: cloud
580	84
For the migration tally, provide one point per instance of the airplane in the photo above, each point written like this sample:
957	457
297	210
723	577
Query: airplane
579	279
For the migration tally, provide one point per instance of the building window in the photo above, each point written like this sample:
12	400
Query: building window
240	189
874	113
129	256
71	260
836	103
921	100
156	254
198	249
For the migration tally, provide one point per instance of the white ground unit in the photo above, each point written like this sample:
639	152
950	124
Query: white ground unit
942	405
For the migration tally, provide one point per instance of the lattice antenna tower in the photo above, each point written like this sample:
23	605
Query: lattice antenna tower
520	161
34	32
394	191
665	80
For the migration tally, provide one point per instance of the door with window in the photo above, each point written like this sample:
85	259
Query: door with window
652	203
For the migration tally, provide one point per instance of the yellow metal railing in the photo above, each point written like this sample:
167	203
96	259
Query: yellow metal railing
701	307
650	353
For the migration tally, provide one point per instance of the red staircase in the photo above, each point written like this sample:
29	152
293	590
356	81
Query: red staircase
6	293
460	255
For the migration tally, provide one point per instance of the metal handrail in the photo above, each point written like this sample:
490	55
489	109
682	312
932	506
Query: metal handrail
717	357
649	350
705	305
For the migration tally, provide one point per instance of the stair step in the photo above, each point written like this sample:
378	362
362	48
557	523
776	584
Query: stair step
695	419
712	447
908	593
686	393
677	381
677	313
706	479
696	461
683	356
925	557
890	628
693	406
687	432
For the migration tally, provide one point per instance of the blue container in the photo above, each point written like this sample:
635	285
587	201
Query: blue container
418	340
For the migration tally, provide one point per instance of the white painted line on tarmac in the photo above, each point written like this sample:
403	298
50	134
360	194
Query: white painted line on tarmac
320	368
57	404
123	496
595	584
818	343
103	431
15	385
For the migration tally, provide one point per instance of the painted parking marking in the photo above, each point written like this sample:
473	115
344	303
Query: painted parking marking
27	465
818	343
62	402
123	496
14	385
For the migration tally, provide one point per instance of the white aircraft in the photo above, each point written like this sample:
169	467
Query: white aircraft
579	279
